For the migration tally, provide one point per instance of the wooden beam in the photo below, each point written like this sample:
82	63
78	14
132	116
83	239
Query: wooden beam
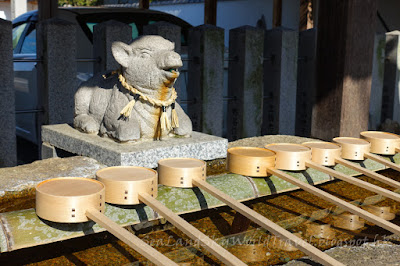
47	9
210	12
277	14
346	31
145	4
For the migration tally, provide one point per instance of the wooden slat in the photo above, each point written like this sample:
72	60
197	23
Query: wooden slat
354	181
131	240
299	243
339	202
221	253
210	12
145	4
368	172
277	14
381	160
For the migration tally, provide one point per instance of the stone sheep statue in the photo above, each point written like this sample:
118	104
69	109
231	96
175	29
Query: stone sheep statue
137	101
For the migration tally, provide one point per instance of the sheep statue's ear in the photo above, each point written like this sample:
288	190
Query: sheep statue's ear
122	53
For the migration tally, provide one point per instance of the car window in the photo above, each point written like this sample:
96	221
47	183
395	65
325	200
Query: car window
135	31
29	44
17	33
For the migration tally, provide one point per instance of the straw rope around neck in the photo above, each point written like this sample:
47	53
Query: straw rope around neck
164	121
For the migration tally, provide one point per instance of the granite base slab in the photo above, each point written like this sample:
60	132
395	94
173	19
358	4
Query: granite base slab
142	153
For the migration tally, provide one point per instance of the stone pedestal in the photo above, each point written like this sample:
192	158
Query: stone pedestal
141	153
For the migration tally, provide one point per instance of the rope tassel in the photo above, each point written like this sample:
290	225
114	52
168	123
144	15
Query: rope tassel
174	117
164	121
127	110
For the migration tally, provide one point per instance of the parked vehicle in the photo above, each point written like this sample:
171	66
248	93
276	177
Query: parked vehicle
24	47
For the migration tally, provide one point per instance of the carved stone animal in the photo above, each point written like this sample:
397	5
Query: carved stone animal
138	101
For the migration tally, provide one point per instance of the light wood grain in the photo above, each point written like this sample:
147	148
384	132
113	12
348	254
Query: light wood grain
355	181
324	153
310	250
131	240
353	148
290	156
320	231
179	172
339	202
123	183
218	251
381	142
65	200
380	211
348	221
249	161
368	173
381	160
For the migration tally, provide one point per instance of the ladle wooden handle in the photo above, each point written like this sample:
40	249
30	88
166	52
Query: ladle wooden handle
339	202
310	250
355	181
381	160
206	242
368	172
131	240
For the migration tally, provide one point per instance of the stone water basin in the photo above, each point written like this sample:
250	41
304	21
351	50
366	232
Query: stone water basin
289	209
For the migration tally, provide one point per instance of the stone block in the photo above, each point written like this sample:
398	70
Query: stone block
245	82
390	94
378	66
57	81
305	82
141	153
104	34
8	146
206	71
280	81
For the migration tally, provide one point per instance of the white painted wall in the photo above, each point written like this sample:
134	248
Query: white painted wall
236	13
5	9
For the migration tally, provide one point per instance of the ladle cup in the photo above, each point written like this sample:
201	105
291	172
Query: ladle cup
295	157
188	173
129	185
76	200
326	154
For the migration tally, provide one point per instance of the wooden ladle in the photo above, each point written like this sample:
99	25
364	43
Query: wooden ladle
359	149
77	200
188	173
129	185
295	157
327	154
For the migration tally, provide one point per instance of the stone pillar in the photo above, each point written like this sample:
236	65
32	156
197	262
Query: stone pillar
305	82
172	33
57	80
167	30
104	34
378	66
280	81
18	7
390	94
8	146
245	82
206	69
